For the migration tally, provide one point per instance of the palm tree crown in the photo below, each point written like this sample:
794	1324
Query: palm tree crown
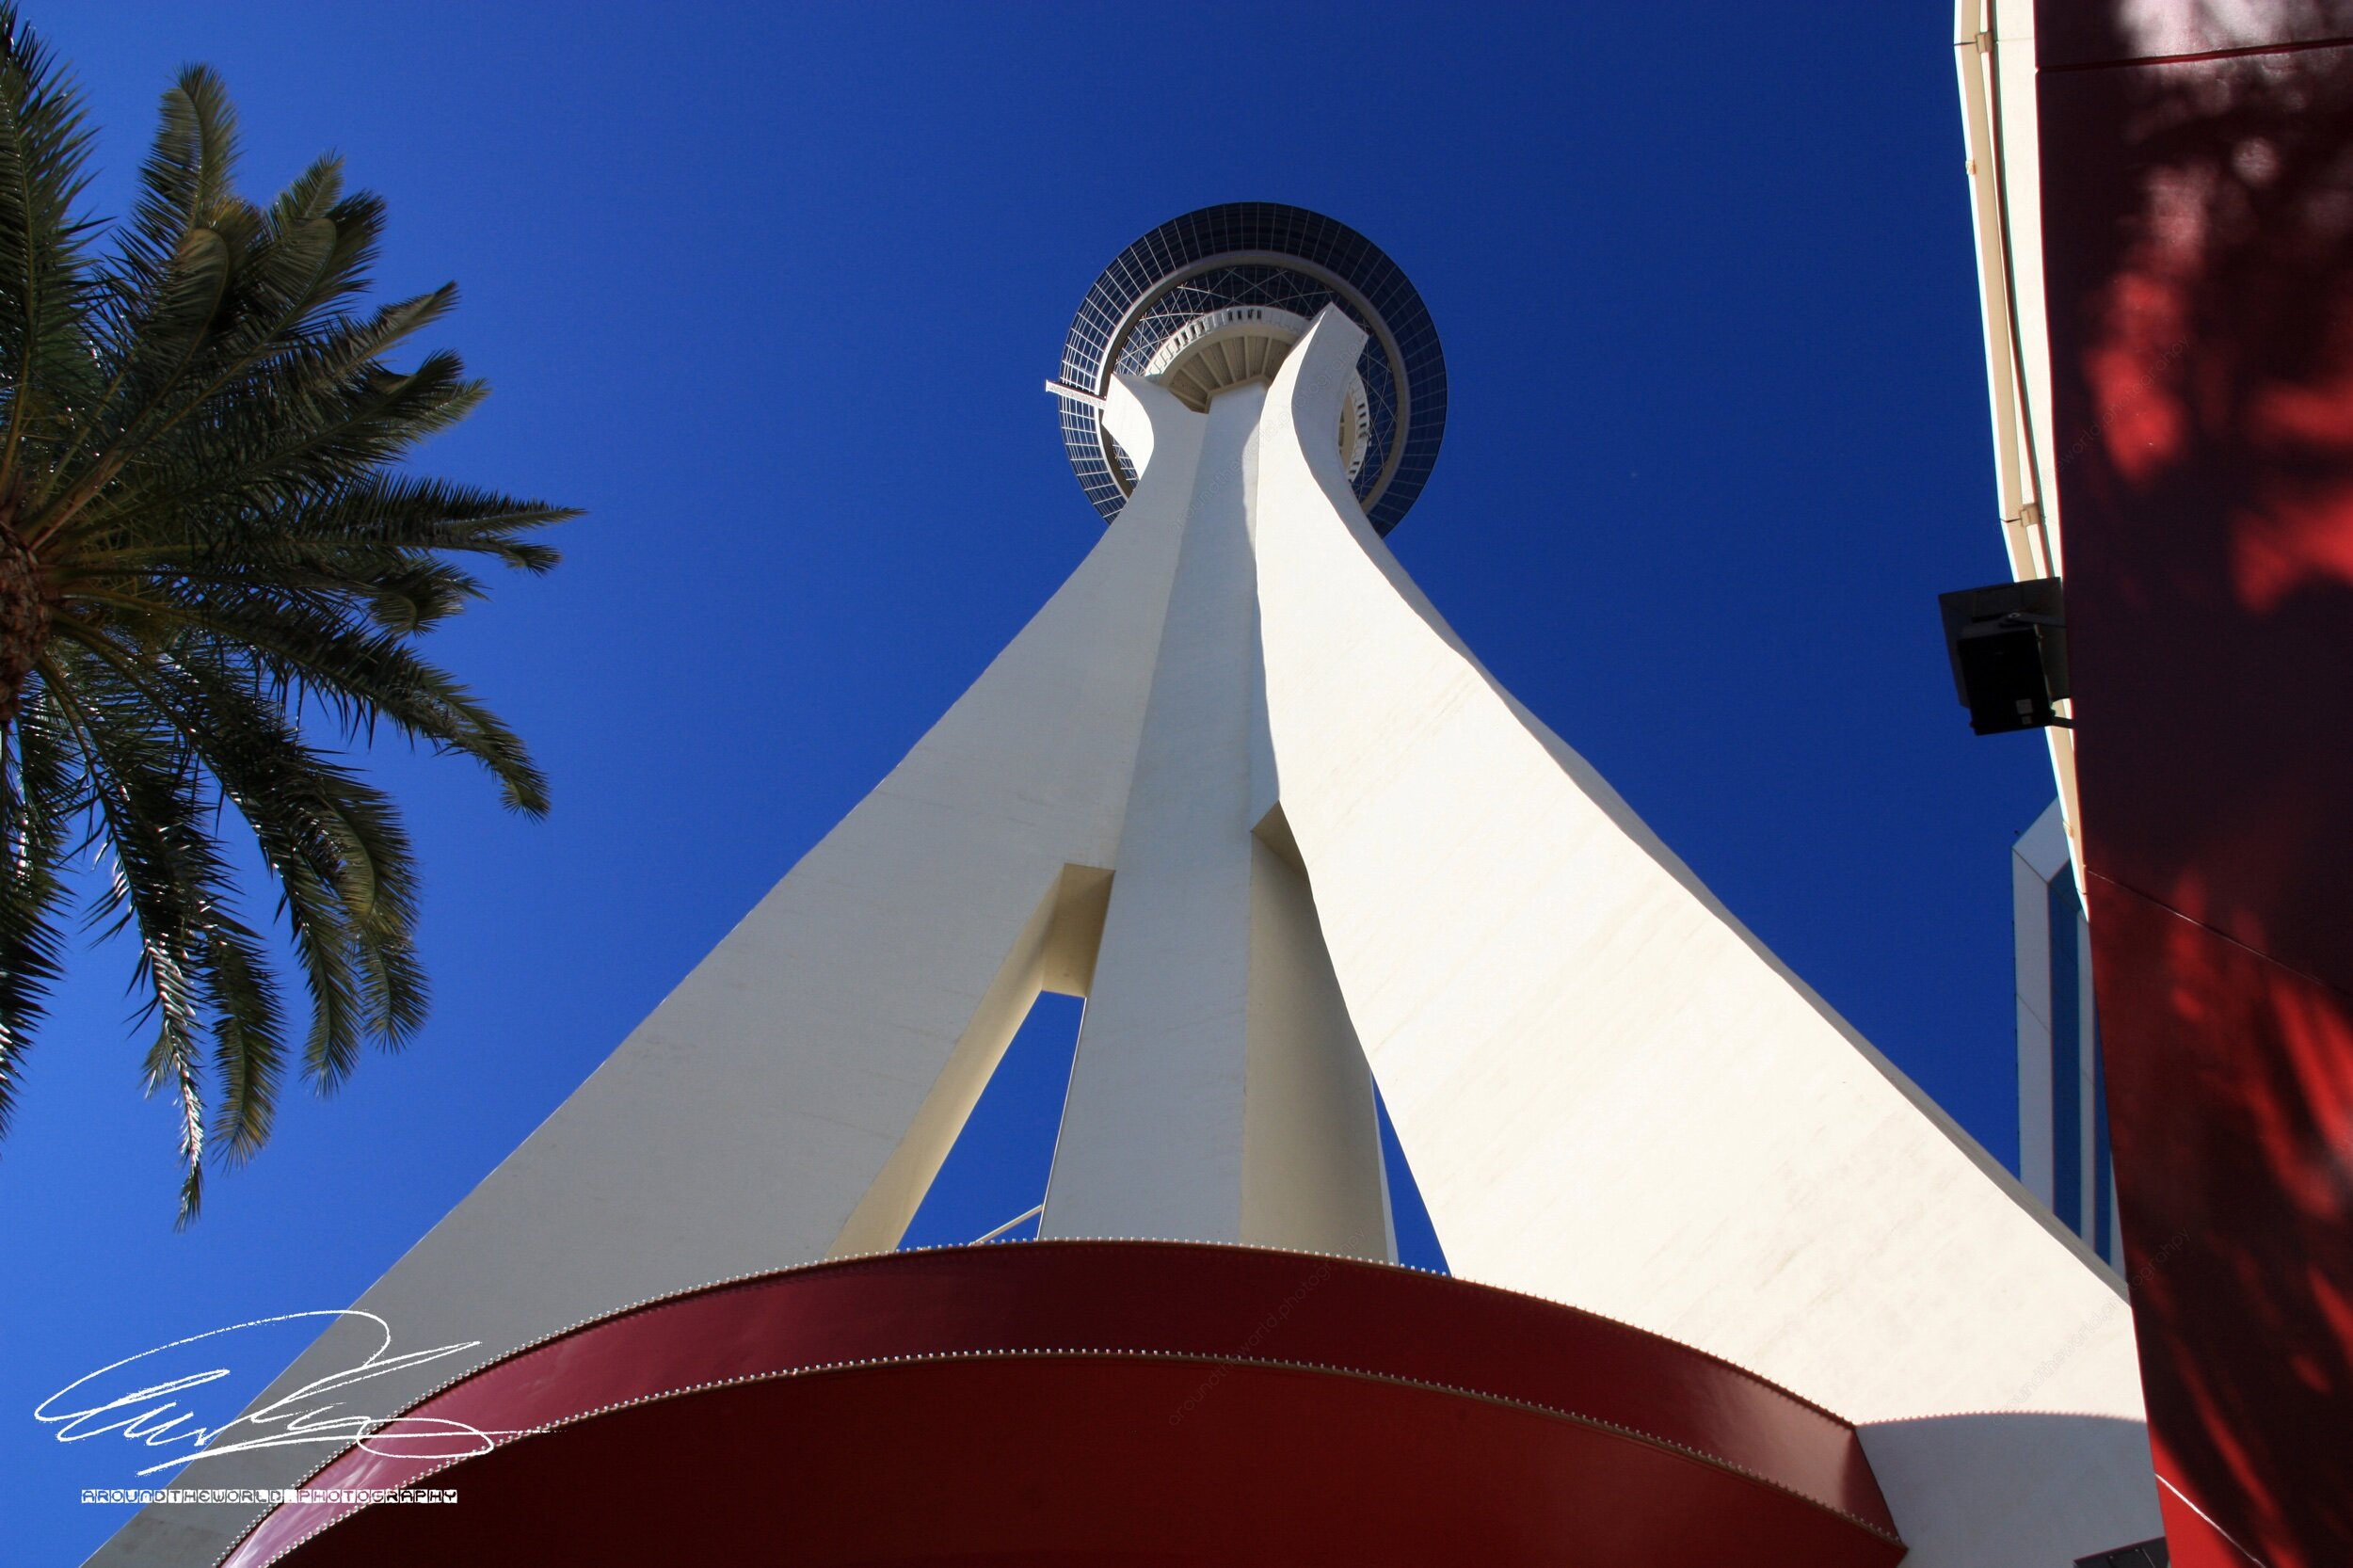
203	537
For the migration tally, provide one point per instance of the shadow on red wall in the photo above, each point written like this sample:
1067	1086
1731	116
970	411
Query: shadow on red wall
2197	220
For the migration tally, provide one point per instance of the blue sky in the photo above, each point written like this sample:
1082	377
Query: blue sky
771	290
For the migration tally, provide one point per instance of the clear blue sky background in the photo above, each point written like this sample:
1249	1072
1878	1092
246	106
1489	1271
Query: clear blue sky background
771	290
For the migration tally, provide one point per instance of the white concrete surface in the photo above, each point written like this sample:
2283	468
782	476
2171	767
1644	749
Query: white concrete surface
1218	1093
1615	1096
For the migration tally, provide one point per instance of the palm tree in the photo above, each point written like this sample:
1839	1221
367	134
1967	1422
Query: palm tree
204	542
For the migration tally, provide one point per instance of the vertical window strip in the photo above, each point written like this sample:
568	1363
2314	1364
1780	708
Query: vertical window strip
2103	1177
2067	1134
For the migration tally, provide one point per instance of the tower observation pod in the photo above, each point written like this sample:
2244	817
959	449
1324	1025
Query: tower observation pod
1727	1287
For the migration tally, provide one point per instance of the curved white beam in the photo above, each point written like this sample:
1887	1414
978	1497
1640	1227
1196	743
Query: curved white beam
1612	1095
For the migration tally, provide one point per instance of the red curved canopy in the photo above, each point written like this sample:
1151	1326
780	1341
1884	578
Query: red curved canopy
1138	1402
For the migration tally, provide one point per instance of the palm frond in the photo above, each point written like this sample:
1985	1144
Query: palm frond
206	540
169	887
335	843
37	801
363	673
186	178
45	149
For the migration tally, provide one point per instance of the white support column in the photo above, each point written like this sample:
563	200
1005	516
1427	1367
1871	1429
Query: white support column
1312	1173
1218	1093
1615	1097
1151	1141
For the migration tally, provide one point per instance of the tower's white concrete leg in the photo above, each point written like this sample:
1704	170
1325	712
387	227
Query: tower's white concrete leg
1219	1093
1312	1176
1615	1096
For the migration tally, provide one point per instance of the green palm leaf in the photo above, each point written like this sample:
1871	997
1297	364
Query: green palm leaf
203	537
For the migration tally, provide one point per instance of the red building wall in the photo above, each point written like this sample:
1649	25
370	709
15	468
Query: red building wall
2197	165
